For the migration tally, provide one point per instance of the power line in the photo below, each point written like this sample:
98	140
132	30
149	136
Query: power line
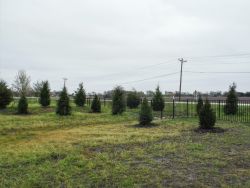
217	72
173	73
154	65
221	56
171	60
219	63
150	78
212	56
137	69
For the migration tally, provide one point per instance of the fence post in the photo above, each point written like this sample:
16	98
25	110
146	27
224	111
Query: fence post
219	109
187	108
104	101
173	109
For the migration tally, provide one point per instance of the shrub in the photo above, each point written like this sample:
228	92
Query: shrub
133	99
44	97
145	115
207	117
80	96
5	95
118	101
158	103
96	105
22	107
199	105
231	106
63	106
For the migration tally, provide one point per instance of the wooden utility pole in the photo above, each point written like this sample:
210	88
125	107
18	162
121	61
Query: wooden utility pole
182	61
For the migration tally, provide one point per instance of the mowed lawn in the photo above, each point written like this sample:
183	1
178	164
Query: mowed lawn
101	150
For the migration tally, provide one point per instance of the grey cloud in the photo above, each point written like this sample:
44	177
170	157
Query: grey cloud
102	43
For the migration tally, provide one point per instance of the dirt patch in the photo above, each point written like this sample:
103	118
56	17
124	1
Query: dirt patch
213	130
151	125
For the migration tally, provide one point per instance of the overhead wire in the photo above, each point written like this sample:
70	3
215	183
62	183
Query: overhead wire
170	61
221	56
217	72
150	78
136	69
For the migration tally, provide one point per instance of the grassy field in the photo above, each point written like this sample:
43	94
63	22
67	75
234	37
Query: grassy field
101	150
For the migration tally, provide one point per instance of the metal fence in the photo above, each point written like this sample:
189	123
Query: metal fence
187	108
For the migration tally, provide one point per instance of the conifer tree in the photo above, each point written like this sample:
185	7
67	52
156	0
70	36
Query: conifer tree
96	105
63	104
199	105
231	106
22	107
118	101
44	97
158	103
207	117
80	96
133	99
145	115
5	95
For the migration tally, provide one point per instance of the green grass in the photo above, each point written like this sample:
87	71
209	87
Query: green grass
101	150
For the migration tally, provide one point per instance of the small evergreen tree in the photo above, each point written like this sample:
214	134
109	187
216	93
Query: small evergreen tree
63	106
22	107
199	105
158	103
207	117
96	105
44	97
231	106
5	95
145	115
133	99
80	96
118	101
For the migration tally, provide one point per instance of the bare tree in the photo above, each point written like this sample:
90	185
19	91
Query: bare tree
22	83
37	87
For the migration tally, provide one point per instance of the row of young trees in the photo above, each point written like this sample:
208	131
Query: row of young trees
206	115
120	99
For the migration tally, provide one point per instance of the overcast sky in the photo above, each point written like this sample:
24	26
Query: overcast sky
104	43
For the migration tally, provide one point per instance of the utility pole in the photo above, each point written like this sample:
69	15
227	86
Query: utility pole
182	61
64	81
